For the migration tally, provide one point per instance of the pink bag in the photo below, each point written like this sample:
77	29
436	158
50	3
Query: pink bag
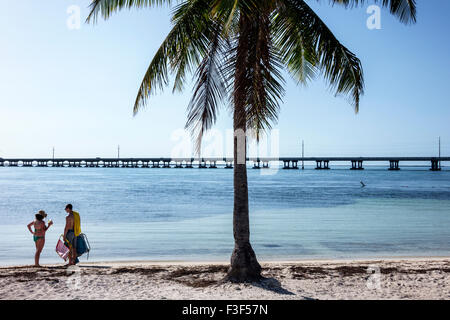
62	250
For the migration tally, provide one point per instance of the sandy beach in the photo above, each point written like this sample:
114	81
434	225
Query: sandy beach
412	278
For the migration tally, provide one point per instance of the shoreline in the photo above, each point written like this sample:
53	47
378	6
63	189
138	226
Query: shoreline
149	262
131	263
393	278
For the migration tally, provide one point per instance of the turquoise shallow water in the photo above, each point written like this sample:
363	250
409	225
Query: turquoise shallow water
186	214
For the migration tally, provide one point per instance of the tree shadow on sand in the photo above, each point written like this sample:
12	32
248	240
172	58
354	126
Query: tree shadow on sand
272	284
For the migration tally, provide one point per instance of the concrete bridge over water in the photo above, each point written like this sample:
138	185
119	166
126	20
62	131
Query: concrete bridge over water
322	163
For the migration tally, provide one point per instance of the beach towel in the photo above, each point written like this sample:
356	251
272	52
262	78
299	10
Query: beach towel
61	249
76	223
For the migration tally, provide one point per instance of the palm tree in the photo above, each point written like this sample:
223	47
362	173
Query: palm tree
237	51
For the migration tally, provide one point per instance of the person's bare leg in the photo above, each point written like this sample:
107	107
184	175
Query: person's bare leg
39	246
71	256
36	255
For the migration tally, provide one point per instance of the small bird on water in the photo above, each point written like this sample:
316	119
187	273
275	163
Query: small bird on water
362	184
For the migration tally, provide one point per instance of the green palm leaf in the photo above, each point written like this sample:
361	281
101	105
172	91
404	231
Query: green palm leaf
405	10
339	66
265	81
210	89
107	7
182	50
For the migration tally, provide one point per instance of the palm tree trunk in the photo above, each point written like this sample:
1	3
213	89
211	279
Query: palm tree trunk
244	265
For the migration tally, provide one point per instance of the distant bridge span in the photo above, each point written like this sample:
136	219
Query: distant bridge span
322	163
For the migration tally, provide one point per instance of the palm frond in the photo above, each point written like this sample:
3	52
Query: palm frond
155	76
253	68
179	51
264	77
210	90
404	10
226	10
339	66
297	53
106	8
190	51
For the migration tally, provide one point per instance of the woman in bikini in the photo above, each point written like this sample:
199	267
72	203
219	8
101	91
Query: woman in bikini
39	234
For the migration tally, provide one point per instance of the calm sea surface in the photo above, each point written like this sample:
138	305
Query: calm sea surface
186	214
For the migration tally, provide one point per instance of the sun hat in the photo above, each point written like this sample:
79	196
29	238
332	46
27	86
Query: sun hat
42	213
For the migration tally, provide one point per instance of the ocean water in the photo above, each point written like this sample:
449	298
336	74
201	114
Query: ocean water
186	214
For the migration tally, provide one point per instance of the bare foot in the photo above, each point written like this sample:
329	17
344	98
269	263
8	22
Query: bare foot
38	266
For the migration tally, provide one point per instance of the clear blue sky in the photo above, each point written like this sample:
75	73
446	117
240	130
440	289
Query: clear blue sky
74	89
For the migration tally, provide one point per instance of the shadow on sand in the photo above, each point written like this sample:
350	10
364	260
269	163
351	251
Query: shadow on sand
272	284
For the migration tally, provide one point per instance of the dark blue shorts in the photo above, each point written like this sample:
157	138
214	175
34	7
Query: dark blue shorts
70	236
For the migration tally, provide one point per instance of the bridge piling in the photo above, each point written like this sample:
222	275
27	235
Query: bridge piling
213	165
287	164
155	164
322	164
435	165
318	165
202	164
357	165
178	164
393	165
